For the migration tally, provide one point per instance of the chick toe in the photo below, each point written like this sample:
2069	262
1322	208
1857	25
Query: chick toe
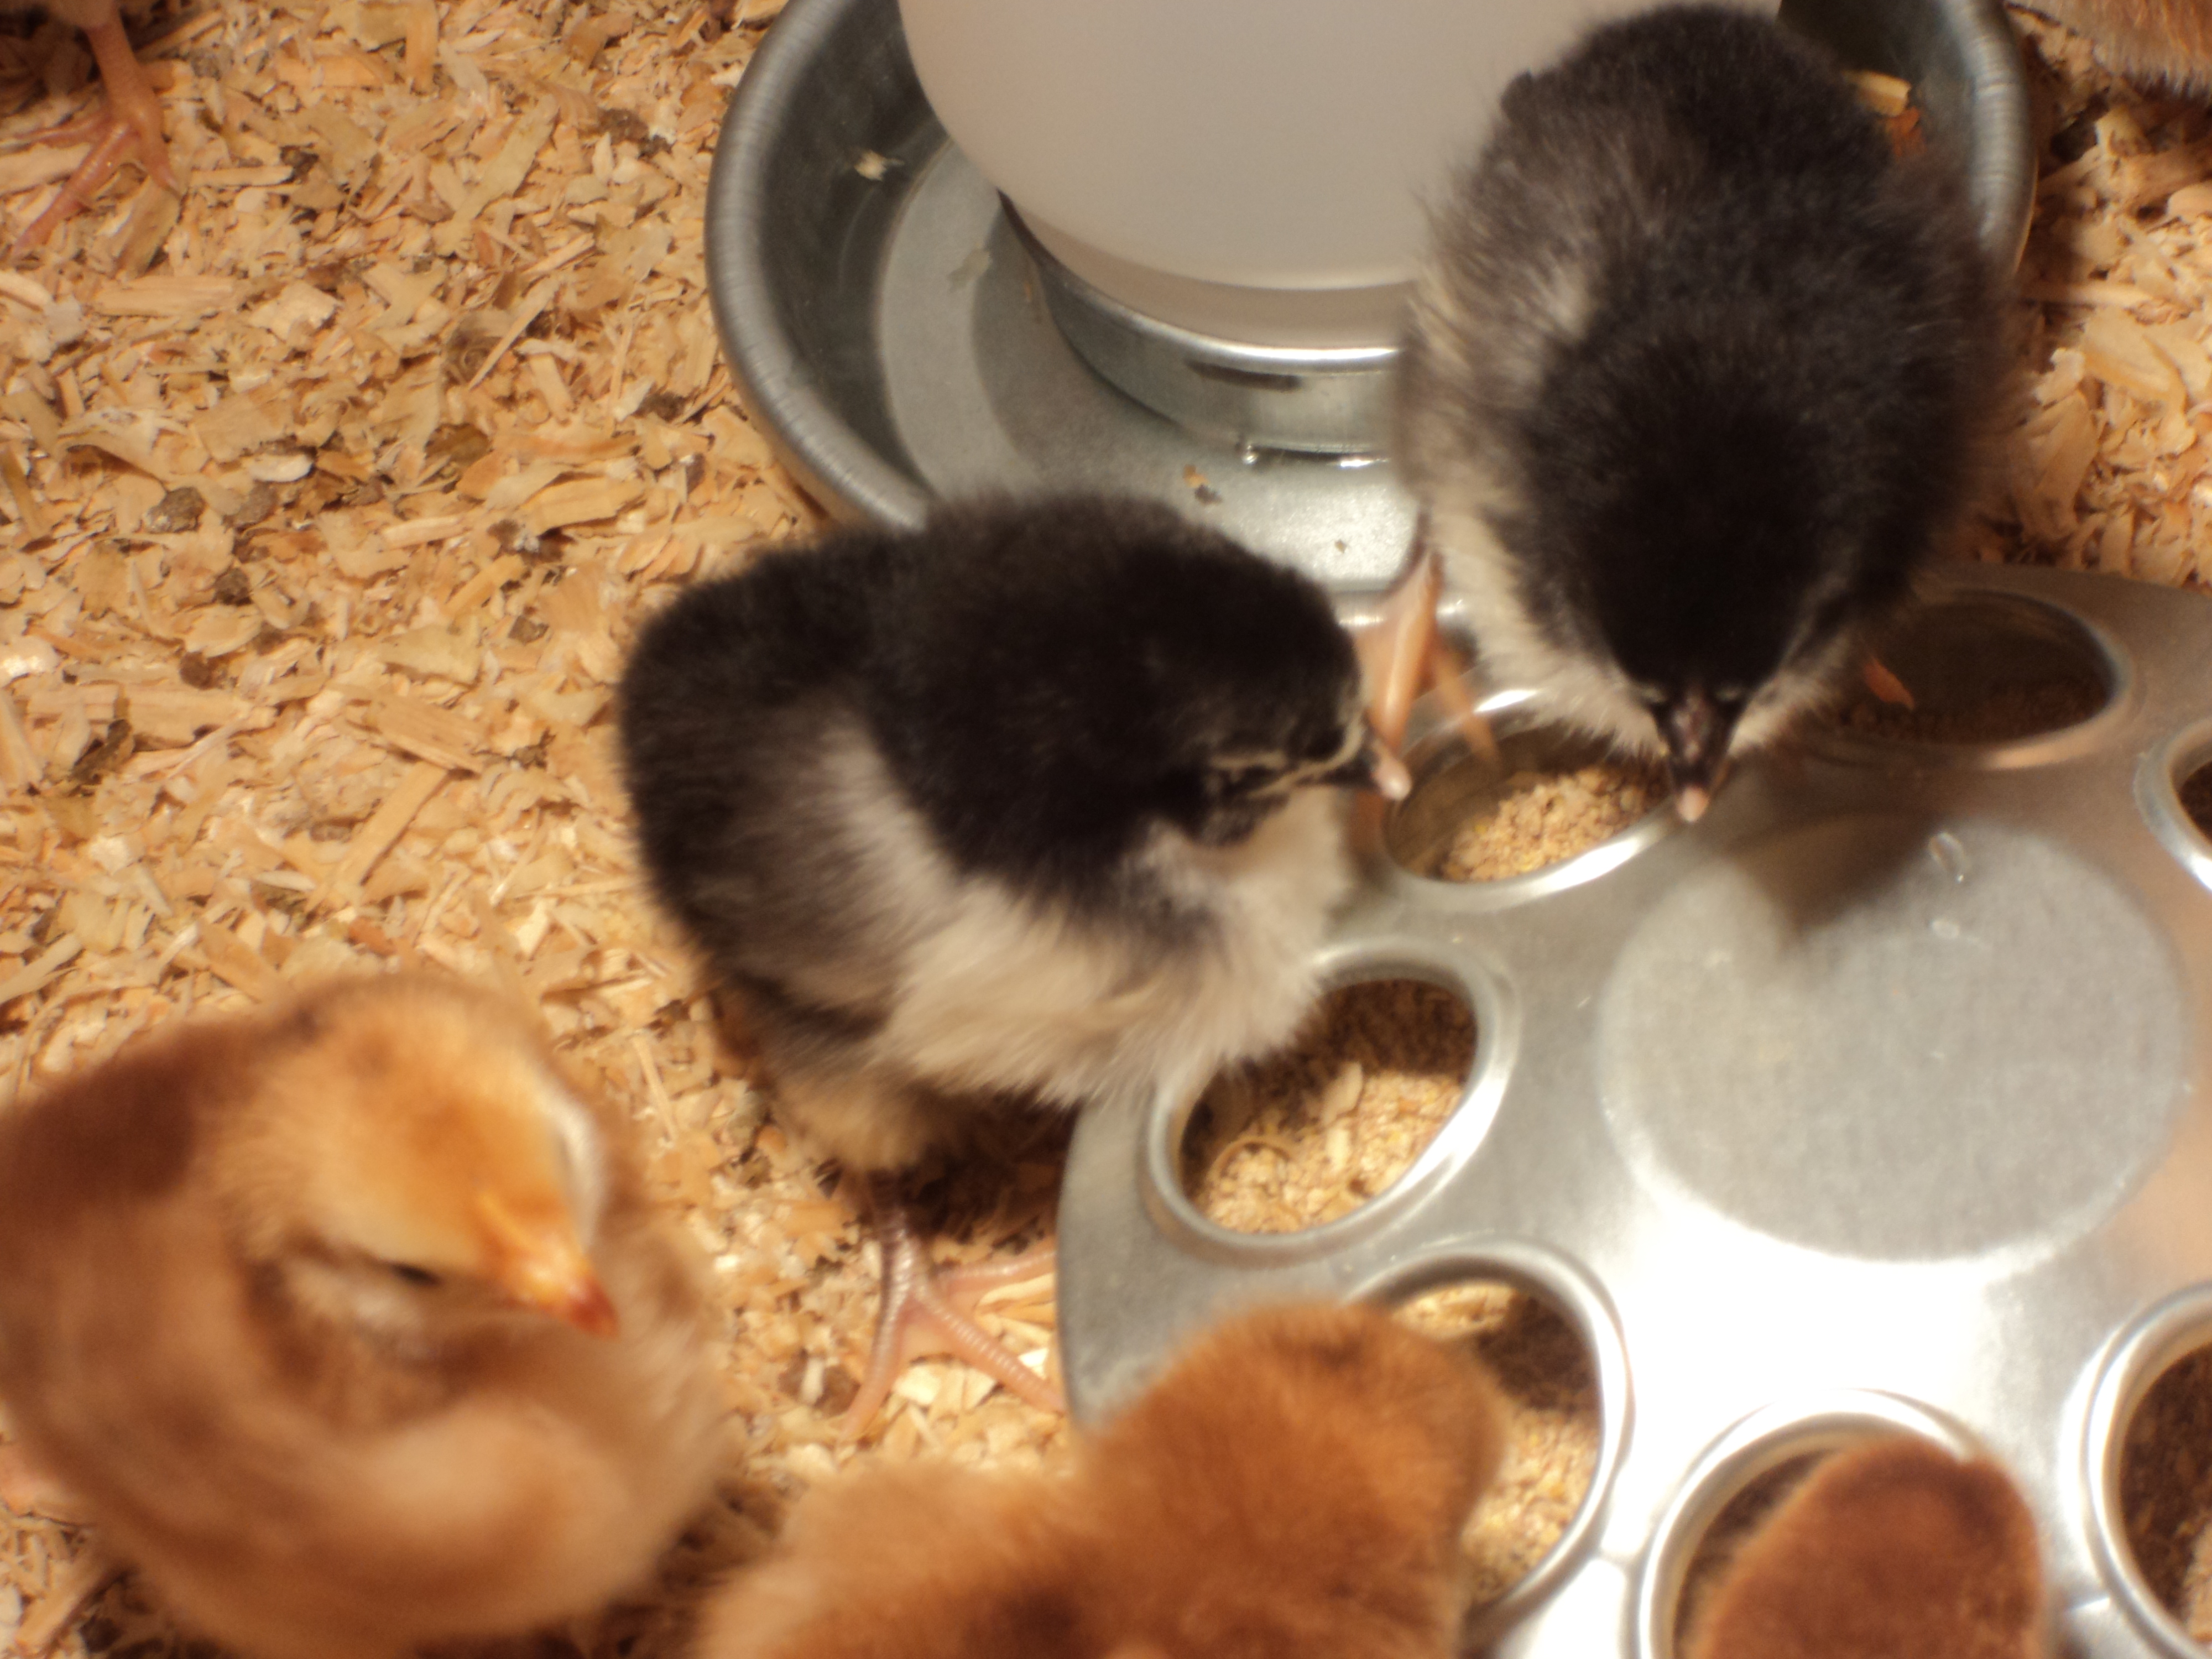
927	1313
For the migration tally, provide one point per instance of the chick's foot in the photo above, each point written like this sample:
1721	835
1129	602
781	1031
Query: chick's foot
926	1313
130	125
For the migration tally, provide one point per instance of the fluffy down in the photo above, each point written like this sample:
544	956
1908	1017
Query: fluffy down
1294	1487
349	1324
1891	1550
1698	375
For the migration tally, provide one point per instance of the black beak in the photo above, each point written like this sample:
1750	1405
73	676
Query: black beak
1373	767
1696	730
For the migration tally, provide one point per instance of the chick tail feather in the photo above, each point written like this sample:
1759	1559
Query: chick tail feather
923	1314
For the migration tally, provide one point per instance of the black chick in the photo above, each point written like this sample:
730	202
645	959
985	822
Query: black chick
1697	374
1028	802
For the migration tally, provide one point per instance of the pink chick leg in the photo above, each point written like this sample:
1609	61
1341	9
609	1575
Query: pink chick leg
1885	685
130	124
1403	653
925	1313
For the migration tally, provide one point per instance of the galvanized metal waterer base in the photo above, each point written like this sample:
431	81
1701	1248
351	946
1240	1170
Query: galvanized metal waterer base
1881	1096
895	340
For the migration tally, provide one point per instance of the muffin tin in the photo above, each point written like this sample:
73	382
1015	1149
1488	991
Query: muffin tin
1882	1097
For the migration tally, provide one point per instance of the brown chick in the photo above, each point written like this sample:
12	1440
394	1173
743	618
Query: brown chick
1890	1550
2157	42
1293	1487
350	1324
130	124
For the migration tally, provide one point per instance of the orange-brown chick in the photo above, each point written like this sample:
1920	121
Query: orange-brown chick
1293	1487
2165	43
1891	1550
350	1324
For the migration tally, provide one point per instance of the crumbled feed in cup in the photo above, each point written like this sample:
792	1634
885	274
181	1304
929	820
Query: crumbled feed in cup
1315	1132
2196	798
1739	1520
1544	818
2008	713
2166	1490
1551	1394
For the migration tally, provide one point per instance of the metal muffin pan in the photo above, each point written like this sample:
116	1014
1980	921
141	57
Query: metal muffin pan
892	338
1882	1096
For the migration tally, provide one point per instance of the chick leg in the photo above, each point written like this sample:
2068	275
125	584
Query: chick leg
1403	653
923	1314
1885	685
131	124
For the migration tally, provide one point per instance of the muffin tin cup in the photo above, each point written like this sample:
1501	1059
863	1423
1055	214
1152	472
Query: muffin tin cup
1889	1080
2138	1357
1767	1440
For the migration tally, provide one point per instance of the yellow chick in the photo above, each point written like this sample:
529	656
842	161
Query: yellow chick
350	1324
1891	1550
1294	1487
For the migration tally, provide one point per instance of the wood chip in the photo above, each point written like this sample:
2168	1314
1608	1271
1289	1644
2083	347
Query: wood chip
374	838
428	732
168	297
237	963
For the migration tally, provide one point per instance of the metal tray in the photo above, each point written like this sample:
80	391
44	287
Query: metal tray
1880	1096
892	338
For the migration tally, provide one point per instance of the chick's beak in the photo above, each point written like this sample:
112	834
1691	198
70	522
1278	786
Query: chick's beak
543	1268
1696	730
1374	767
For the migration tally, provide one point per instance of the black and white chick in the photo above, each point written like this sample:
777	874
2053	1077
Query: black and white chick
1698	374
1036	801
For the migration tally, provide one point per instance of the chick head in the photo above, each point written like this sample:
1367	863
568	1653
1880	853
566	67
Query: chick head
416	1156
1712	549
1066	678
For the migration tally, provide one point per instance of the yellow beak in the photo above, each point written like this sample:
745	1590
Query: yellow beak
543	1268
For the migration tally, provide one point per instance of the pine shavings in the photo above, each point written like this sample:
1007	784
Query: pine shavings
2106	470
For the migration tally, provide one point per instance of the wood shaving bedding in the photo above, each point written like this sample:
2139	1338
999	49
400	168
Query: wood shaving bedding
332	493
2107	469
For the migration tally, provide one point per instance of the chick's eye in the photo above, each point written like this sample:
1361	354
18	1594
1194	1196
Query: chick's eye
408	1273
